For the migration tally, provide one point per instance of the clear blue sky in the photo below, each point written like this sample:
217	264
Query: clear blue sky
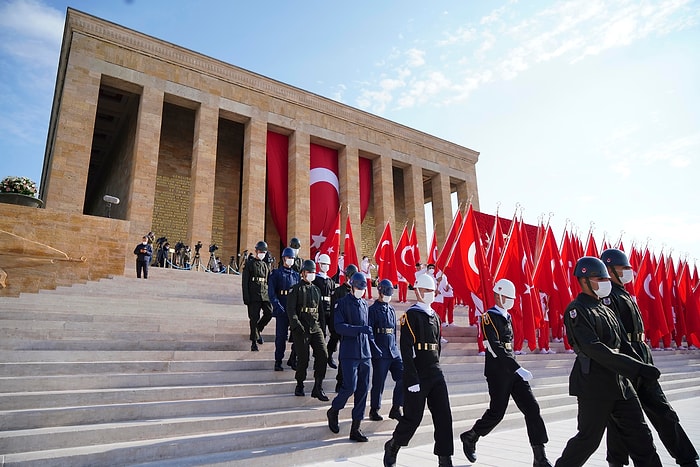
588	110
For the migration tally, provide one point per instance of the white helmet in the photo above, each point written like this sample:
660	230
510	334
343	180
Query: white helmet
425	281
324	259
504	287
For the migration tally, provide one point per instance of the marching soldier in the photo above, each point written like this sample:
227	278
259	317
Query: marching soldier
294	245
651	396
304	310
280	283
326	285
599	376
338	293
422	378
505	378
255	296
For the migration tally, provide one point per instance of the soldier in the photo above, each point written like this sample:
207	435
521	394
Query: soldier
304	309
280	283
326	285
382	318
254	284
599	376
352	323
651	396
338	293
505	378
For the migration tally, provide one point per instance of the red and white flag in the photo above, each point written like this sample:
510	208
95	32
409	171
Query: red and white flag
405	262
414	242
550	278
449	241
591	248
384	257
649	301
349	250
331	247
324	192
433	251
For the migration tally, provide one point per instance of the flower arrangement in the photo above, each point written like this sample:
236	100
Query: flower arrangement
20	185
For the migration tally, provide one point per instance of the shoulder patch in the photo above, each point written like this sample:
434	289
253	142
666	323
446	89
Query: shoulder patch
607	301
486	318
572	313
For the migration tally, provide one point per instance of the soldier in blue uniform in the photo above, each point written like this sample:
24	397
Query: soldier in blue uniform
422	378
254	285
599	377
651	396
338	293
279	285
382	319
505	378
352	323
304	309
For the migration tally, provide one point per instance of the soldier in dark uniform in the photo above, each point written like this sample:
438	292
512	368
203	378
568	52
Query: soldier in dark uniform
352	323
295	245
338	293
505	378
382	318
326	285
422	378
303	309
651	396
598	378
254	284
279	284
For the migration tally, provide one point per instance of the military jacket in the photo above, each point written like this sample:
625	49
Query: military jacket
382	319
350	317
630	318
497	330
254	280
420	345
303	306
325	286
279	285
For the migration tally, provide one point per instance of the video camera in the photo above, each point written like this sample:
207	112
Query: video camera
197	247
213	248
162	240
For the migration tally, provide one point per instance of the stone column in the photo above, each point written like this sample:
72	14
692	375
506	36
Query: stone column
415	204
203	176
69	158
254	182
298	202
142	188
442	206
383	195
463	195
349	179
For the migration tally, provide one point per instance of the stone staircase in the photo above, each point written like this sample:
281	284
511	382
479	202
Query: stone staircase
158	372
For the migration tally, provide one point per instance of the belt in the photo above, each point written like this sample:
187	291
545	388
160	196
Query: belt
424	346
311	311
383	330
283	292
635	337
326	299
259	279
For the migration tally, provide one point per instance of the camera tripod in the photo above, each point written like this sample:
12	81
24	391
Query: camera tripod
197	263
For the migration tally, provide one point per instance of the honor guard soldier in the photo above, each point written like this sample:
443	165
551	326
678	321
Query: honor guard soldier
338	293
304	310
295	245
280	283
422	378
505	378
326	285
255	296
598	378
652	398
382	319
352	323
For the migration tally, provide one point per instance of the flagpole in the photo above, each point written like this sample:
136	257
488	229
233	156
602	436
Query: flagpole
505	246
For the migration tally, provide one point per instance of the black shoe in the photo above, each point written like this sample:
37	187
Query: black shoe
319	394
469	439
278	365
299	390
331	363
253	347
356	434
261	340
395	412
540	456
391	449
374	416
333	424
444	461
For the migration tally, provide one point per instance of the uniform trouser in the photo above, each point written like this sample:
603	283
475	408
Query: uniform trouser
543	338
403	291
664	419
257	322
501	388
449	303
141	265
380	368
281	335
433	391
594	415
302	340
355	382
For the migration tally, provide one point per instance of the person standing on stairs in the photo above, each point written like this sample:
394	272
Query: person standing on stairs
143	252
505	379
280	283
304	311
254	284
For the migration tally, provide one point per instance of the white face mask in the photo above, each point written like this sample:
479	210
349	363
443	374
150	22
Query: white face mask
261	256
386	298
358	293
288	262
324	268
431	272
310	277
144	243
428	298
627	276
508	303
604	289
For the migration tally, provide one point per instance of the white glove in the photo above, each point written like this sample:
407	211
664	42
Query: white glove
414	388
524	374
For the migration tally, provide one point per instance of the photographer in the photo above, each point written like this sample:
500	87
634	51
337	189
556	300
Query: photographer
143	252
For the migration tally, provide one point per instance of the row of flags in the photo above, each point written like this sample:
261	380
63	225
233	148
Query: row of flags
667	292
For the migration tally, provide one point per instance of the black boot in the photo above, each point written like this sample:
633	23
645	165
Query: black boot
615	464
333	424
391	449
278	365
374	416
469	439
318	392
299	390
253	347
395	412
444	461
540	457
356	434
331	362
261	340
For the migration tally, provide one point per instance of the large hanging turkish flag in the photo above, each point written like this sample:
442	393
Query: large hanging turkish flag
324	192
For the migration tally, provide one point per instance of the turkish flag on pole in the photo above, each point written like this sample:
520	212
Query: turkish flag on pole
591	248
665	296
413	240
692	317
550	278
433	252
676	305
384	257
324	192
568	262
496	245
447	247
331	246
532	305
405	262
349	250
647	292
